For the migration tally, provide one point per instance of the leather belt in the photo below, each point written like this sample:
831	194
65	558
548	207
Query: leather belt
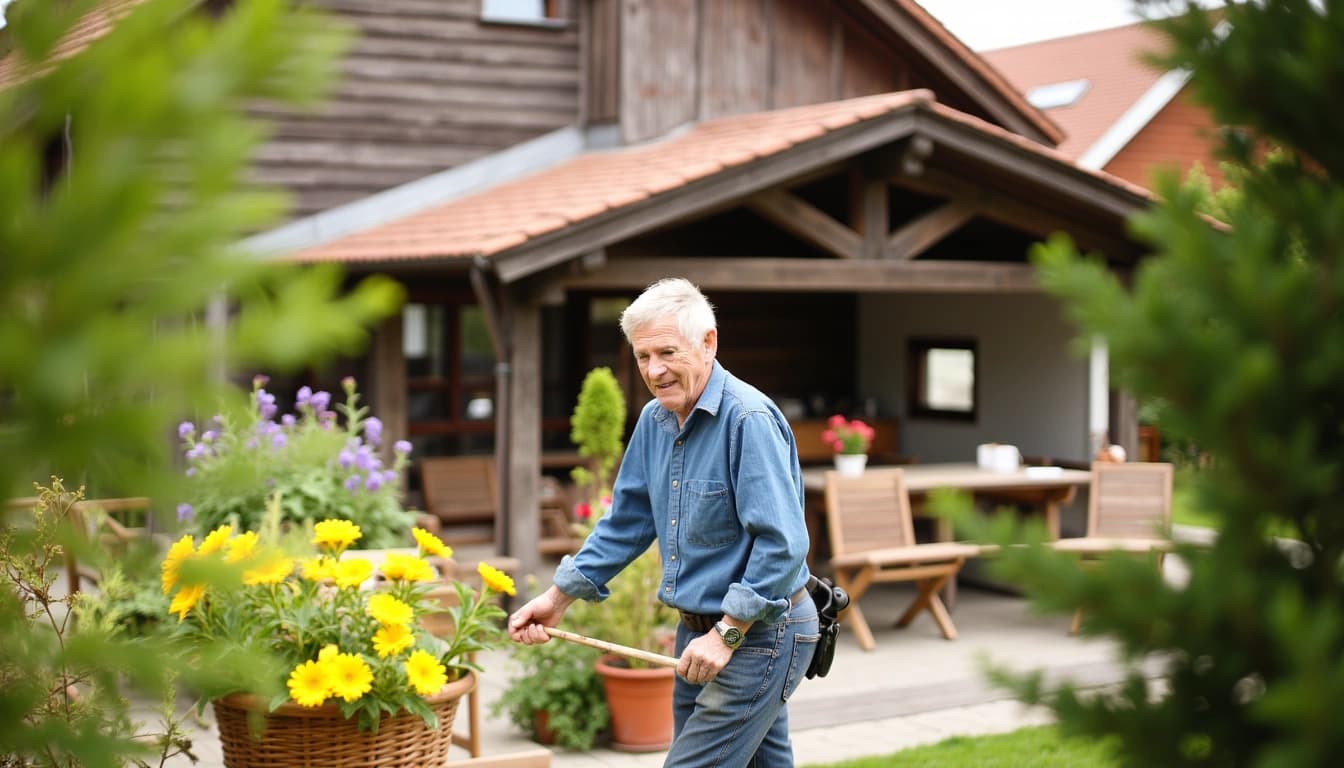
704	622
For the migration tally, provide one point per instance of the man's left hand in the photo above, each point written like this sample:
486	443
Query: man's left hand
704	658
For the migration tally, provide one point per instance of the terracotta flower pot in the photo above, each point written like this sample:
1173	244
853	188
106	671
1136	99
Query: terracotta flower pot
640	701
292	736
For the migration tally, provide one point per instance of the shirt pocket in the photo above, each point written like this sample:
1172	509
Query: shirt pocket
710	519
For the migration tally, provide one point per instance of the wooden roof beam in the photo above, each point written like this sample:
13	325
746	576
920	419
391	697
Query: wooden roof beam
807	222
921	234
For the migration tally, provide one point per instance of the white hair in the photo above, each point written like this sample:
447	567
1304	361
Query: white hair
671	296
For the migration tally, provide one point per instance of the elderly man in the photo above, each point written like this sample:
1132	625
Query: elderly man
712	472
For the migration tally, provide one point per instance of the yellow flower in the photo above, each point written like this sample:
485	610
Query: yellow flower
172	562
386	609
328	652
402	567
215	540
353	572
273	569
186	599
348	676
496	579
318	568
240	547
391	639
430	544
336	535
308	684
425	674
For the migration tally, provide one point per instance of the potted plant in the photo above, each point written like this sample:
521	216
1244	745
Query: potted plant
558	697
321	461
356	673
851	440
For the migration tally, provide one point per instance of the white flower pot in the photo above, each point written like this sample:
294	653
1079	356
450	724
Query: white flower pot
851	464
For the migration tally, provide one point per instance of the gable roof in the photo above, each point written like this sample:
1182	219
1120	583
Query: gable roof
597	198
965	67
1123	92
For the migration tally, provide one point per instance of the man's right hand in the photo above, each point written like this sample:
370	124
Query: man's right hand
526	625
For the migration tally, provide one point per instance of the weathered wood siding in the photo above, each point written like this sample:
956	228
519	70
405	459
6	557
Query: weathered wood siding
689	60
426	87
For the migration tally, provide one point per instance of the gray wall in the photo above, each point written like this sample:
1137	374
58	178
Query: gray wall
1033	386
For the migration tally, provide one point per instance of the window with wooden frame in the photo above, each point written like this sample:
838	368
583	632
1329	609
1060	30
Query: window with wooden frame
541	12
941	379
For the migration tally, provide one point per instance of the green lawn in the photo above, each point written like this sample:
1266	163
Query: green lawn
1038	747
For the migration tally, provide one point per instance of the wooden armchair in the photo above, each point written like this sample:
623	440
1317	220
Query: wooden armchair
872	537
461	492
1128	510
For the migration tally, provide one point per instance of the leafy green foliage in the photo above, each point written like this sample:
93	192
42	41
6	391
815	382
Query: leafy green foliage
558	679
123	294
1041	747
597	427
1238	331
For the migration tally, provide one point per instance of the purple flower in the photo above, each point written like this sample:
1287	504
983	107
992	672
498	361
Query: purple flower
288	420
197	451
209	436
373	430
184	429
346	458
402	447
278	440
389	476
365	460
374	482
320	401
266	404
351	483
191	471
305	394
184	512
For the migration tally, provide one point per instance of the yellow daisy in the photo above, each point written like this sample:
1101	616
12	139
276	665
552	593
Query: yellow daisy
308	684
240	547
430	544
328	652
186	599
353	572
386	609
392	639
496	579
402	567
425	674
215	540
273	569
172	562
348	676
318	568
336	535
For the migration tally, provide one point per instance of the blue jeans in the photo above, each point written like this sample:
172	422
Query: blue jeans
741	719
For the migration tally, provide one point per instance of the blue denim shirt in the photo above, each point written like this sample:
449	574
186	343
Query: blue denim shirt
723	496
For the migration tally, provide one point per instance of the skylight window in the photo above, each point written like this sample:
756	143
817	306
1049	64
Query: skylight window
1055	95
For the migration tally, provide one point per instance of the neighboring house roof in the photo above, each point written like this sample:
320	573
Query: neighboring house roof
82	33
529	215
1122	93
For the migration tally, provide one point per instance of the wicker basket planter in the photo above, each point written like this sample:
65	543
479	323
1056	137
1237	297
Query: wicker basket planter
319	737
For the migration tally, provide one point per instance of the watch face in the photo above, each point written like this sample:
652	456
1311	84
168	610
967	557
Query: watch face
732	636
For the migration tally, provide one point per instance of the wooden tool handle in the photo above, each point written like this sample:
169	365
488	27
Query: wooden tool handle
623	650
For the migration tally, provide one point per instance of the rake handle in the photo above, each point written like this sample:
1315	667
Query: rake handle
622	650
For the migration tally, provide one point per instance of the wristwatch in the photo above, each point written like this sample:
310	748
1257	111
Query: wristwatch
732	636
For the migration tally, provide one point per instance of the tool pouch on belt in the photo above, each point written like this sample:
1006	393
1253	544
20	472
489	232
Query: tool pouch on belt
830	600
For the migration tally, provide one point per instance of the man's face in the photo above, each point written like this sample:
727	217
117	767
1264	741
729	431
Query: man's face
674	369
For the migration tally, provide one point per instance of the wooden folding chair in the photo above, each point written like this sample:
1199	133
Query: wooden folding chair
461	492
872	536
1128	510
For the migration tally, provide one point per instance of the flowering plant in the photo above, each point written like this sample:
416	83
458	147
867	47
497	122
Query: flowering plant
317	467
339	629
847	436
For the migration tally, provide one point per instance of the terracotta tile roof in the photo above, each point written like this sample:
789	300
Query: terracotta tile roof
499	218
81	34
1108	59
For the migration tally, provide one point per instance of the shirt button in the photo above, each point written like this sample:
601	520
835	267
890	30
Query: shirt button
674	521
678	442
674	483
674	557
667	589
